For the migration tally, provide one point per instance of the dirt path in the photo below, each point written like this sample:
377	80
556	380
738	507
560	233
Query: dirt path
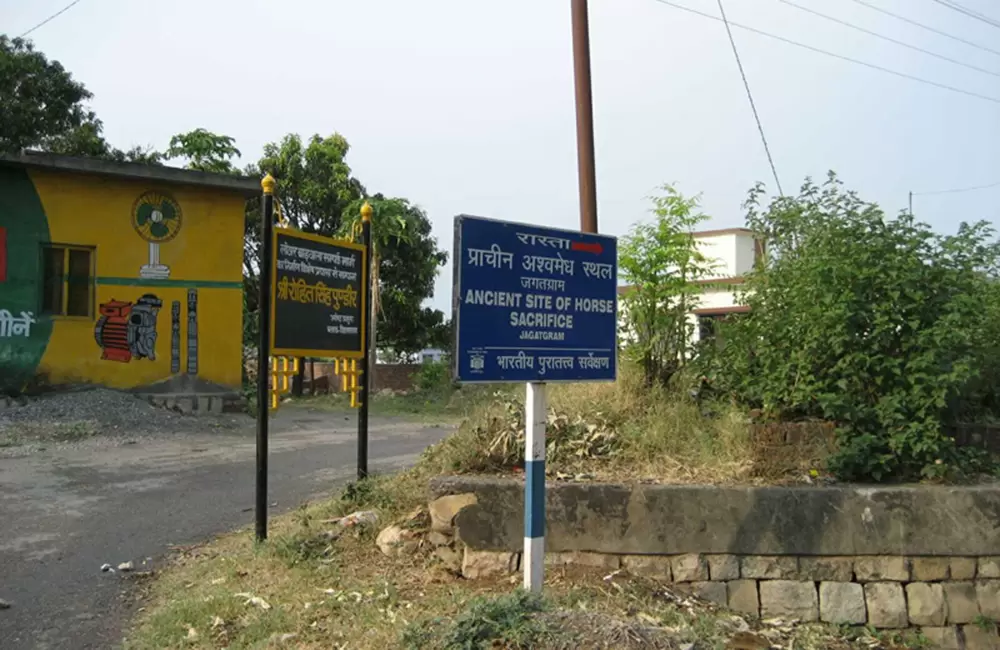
68	509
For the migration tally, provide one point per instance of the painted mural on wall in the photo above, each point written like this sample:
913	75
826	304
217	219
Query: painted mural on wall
157	218
126	330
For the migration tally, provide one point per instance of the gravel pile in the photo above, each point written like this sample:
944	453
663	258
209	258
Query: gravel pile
111	411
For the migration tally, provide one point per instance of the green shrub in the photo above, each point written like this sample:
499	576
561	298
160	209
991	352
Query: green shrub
435	376
879	325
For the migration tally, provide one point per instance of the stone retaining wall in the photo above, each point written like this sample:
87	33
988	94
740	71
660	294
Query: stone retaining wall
887	557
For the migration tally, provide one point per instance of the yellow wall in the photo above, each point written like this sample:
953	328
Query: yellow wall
206	254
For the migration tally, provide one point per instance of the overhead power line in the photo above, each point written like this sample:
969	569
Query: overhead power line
888	38
968	12
927	27
753	106
958	189
53	16
842	57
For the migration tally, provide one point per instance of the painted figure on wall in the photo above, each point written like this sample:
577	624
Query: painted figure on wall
126	330
157	219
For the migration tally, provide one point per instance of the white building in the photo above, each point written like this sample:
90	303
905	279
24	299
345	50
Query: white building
732	253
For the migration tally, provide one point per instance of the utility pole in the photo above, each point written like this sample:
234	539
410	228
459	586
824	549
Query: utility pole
911	204
584	117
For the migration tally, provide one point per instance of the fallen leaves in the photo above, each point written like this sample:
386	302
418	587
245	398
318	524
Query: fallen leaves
254	600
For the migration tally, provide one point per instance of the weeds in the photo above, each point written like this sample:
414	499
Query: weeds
507	621
619	430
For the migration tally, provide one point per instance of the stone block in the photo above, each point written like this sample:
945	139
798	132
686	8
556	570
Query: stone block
743	597
656	567
963	568
925	601
789	599
186	405
842	602
713	592
769	567
217	406
877	568
886	605
486	564
833	569
690	568
437	539
988	595
930	569
942	638
578	558
981	638
204	405
989	567
960	597
723	567
444	509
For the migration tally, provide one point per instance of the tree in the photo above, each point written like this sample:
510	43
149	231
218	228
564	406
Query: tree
314	188
660	261
42	106
879	325
406	263
204	151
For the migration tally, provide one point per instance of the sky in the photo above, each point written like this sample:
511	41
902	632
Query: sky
467	106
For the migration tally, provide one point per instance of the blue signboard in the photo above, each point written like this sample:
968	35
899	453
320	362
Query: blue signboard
533	304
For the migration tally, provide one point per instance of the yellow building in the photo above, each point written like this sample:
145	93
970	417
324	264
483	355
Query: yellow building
120	274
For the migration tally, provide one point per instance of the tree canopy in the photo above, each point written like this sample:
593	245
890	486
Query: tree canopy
43	106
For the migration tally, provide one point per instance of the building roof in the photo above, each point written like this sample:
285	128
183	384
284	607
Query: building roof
135	171
722	231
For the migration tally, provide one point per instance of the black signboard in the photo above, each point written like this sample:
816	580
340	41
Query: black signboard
318	296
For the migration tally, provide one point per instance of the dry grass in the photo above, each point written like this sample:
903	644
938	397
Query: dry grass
623	431
301	590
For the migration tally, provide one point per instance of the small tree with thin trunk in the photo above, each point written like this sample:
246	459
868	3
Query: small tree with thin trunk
660	260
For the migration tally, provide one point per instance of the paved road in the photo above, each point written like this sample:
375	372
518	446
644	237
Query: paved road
65	512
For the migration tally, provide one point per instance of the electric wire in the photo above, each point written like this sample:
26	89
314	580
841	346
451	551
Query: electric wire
753	106
958	189
888	38
968	12
842	57
52	17
927	27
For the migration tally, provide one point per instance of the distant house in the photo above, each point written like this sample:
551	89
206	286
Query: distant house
732	253
432	355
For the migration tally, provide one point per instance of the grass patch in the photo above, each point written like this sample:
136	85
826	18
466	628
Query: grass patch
425	405
302	589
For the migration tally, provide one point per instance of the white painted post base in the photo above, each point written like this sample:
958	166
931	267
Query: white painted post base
536	416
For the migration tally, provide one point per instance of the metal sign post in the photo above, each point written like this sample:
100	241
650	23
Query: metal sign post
263	352
533	305
366	337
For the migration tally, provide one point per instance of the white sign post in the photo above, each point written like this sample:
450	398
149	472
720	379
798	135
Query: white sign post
535	419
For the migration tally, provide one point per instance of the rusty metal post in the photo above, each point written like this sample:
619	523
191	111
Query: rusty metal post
584	117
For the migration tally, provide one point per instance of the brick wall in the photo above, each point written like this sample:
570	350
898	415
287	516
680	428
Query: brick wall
394	376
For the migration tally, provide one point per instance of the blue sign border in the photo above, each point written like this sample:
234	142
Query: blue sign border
602	375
